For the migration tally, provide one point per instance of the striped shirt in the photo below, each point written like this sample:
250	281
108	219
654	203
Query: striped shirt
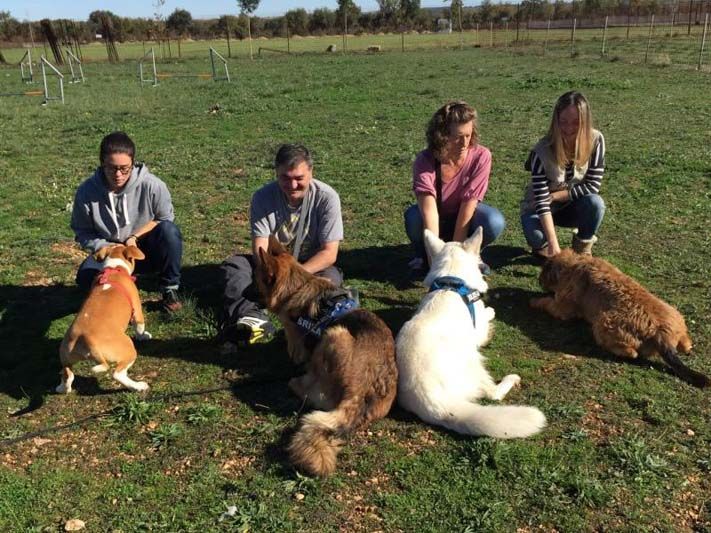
590	183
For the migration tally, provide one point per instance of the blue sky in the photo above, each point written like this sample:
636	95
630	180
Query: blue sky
80	9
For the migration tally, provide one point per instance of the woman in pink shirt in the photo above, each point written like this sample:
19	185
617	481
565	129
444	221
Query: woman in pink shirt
450	179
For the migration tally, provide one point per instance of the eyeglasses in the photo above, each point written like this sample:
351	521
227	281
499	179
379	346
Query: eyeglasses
113	169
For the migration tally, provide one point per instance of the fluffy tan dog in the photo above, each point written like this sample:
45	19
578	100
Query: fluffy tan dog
350	360
626	318
99	329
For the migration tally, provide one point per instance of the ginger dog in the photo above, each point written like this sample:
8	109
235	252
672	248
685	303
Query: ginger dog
99	329
626	318
349	356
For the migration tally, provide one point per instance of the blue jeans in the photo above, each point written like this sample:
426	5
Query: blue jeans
585	214
163	247
489	218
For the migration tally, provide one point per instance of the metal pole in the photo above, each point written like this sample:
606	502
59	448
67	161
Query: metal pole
703	41
461	35
477	35
491	34
649	39
212	63
402	39
29	58
691	9
545	41
572	37
155	71
345	26
506	33
604	36
44	80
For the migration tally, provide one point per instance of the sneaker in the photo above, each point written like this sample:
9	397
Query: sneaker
484	269
252	328
418	268
170	302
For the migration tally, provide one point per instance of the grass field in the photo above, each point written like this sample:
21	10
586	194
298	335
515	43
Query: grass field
628	445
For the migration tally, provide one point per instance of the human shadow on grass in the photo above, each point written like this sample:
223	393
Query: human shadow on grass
29	360
572	337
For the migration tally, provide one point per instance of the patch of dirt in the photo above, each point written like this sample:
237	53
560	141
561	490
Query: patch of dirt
595	424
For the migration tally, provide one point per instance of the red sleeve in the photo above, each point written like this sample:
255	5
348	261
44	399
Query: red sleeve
478	182
423	174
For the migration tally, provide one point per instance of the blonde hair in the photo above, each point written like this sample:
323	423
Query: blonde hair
454	113
584	139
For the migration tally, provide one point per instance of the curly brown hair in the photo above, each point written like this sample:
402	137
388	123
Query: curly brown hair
453	113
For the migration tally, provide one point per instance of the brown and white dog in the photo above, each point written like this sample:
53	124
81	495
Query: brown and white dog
626	318
350	364
99	329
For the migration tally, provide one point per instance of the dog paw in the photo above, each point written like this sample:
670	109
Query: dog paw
63	389
98	369
141	386
514	379
140	337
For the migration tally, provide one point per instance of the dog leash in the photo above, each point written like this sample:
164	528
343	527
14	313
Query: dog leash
452	283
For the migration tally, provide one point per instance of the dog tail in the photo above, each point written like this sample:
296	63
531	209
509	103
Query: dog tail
499	421
316	444
697	379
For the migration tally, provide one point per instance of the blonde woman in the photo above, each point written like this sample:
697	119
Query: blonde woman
567	166
450	179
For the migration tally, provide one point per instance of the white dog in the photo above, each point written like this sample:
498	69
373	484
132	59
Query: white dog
441	372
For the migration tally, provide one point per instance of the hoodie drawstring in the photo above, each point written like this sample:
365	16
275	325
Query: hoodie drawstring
114	215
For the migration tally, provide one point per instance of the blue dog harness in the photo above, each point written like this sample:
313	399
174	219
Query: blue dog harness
451	283
332	309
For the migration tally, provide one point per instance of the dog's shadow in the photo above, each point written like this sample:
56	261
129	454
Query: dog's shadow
572	337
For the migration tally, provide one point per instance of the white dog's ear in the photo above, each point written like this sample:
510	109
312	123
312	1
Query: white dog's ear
433	244
473	243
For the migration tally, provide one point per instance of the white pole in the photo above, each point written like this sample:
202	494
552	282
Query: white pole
649	39
703	41
604	36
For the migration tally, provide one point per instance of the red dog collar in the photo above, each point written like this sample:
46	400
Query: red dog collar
103	279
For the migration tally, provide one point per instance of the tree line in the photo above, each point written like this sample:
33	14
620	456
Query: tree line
392	16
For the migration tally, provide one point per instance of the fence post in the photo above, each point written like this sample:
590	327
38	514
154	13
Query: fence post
491	34
703	41
545	41
649	39
691	9
572	37
477	35
604	36
506	34
461	34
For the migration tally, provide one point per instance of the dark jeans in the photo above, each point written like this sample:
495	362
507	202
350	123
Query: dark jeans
163	248
489	218
585	214
241	295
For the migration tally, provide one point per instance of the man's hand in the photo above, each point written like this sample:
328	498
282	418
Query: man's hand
560	197
131	241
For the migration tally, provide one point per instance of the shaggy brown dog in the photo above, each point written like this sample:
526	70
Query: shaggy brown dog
626	318
350	369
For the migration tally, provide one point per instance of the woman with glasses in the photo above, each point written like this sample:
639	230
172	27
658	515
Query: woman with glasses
566	166
450	179
123	203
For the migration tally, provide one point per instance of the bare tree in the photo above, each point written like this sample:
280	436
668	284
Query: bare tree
247	7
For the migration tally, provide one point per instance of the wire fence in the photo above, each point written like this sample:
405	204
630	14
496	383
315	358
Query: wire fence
671	39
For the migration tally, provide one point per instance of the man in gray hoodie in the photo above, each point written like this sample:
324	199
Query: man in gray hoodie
123	203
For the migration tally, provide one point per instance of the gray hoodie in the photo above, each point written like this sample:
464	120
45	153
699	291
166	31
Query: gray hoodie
100	217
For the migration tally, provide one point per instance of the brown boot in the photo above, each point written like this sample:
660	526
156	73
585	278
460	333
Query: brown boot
583	246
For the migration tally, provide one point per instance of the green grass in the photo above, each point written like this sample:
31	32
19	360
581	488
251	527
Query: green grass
627	446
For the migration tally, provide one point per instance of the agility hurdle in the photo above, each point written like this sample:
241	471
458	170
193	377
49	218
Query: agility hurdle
154	80
215	59
26	67
72	60
215	77
44	63
37	92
